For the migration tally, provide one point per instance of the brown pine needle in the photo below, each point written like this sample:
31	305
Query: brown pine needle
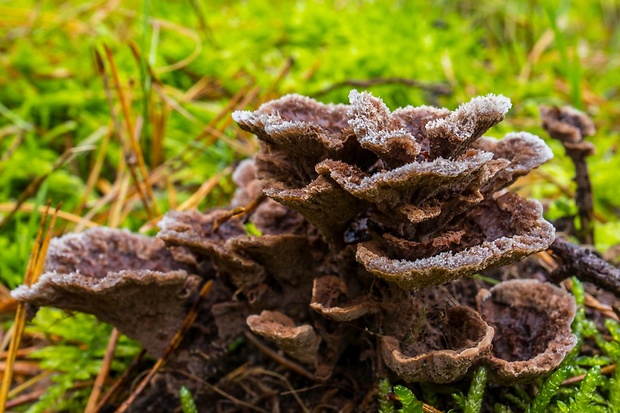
604	370
115	215
132	133
103	373
38	270
195	199
172	346
120	381
283	361
28	383
26	398
22	352
239	211
427	408
34	254
35	265
67	216
21	368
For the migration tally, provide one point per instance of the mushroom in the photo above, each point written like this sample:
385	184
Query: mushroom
368	212
299	342
446	354
509	229
330	299
532	322
127	280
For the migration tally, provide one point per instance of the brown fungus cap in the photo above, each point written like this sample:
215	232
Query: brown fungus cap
127	280
523	152
415	171
445	357
566	124
253	264
330	298
509	228
299	342
532	322
297	132
452	135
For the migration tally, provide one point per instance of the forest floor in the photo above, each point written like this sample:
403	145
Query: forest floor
100	100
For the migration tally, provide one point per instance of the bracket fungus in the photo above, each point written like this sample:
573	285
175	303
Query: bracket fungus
367	213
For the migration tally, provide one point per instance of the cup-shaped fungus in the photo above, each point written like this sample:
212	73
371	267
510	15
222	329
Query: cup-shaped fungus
299	342
532	322
447	351
330	298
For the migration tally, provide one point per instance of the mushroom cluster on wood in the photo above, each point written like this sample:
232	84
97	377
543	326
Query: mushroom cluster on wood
367	213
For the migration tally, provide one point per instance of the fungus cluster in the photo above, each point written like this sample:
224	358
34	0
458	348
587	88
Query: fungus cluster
372	224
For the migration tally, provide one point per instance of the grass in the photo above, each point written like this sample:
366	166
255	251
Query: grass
98	96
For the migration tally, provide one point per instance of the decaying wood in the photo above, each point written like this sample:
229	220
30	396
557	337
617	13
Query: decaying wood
585	265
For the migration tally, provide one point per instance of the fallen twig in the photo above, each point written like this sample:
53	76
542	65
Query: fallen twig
290	365
103	372
604	370
585	265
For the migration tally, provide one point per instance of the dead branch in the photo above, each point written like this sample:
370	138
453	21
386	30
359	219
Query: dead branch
585	265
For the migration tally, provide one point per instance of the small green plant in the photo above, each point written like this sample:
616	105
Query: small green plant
549	389
77	345
476	391
388	395
386	404
473	402
187	400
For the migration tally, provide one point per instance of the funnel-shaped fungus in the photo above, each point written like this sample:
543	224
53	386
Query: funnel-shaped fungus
127	280
508	228
330	298
570	126
532	322
252	263
447	352
367	212
299	342
567	124
419	176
